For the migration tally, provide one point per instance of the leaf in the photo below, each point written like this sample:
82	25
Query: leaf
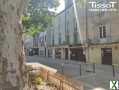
37	19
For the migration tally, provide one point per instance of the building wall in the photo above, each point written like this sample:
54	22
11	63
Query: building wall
68	3
111	21
96	57
115	54
65	23
50	36
70	24
114	32
62	27
42	51
56	31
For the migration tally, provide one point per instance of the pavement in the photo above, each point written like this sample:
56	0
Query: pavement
92	75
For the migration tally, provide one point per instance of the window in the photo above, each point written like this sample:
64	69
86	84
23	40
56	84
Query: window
102	30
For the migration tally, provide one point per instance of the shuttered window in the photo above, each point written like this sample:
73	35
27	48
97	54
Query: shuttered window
102	30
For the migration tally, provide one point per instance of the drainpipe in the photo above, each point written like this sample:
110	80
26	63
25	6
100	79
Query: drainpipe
69	54
87	36
66	33
53	49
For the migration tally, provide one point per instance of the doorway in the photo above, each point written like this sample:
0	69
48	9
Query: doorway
78	54
66	53
106	56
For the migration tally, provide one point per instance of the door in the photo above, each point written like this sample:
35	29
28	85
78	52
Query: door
107	56
66	53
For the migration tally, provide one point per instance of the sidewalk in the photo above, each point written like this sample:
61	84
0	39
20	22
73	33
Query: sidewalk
78	71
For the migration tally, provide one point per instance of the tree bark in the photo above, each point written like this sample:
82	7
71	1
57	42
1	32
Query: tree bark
12	58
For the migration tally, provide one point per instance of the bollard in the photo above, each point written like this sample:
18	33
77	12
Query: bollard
113	70
80	70
62	66
93	67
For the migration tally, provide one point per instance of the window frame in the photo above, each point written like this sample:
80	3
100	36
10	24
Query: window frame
102	31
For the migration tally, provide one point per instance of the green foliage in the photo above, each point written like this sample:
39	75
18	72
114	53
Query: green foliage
36	18
38	80
34	30
26	21
36	23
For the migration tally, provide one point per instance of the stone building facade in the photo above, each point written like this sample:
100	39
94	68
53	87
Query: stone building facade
84	35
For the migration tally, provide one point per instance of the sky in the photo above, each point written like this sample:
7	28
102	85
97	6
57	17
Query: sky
60	8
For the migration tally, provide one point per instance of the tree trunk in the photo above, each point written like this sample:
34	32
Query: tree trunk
12	61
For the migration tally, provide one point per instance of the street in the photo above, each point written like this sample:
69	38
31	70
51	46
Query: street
93	76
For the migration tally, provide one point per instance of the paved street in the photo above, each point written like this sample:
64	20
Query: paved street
92	76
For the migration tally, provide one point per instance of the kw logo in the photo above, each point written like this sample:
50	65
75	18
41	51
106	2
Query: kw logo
114	85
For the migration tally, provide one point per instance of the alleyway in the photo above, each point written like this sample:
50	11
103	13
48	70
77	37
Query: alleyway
91	78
